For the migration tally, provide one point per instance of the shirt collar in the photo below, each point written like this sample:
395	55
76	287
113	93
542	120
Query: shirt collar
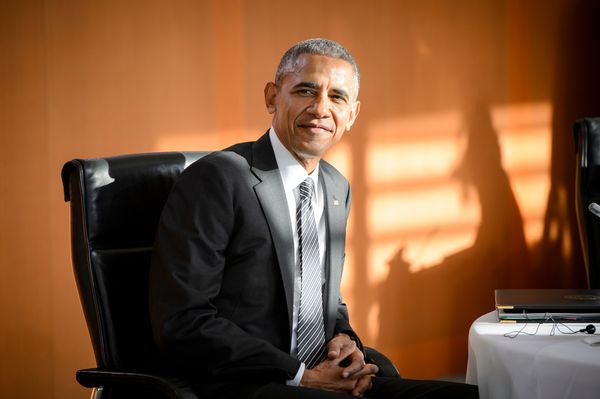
292	172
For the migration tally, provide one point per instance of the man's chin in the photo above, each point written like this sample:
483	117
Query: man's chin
312	153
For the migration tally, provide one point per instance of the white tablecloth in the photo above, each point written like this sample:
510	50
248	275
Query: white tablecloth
543	366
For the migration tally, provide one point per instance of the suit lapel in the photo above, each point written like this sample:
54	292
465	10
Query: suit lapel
335	213
271	195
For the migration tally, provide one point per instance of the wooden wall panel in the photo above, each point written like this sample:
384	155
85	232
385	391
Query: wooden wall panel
459	161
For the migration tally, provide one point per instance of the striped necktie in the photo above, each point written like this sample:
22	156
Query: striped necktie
311	331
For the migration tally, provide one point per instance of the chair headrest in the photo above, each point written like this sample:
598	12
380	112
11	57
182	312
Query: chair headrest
124	195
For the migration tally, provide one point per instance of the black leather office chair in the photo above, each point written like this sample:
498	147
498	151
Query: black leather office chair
115	206
587	189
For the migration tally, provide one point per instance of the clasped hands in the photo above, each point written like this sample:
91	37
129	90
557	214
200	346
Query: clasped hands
344	370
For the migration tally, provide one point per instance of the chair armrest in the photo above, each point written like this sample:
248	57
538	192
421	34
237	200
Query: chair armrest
171	387
175	388
386	367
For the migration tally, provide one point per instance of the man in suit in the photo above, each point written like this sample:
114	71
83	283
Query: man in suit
245	278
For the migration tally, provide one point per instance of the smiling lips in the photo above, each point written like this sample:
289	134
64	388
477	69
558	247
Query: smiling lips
315	127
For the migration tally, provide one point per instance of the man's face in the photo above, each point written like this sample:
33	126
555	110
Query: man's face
313	106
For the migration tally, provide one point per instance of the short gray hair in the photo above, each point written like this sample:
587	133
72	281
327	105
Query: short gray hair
317	46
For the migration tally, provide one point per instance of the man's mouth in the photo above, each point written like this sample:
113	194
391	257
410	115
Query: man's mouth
315	127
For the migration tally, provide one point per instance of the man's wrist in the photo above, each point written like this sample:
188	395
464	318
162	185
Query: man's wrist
298	377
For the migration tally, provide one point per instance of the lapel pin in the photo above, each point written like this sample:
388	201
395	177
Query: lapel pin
335	201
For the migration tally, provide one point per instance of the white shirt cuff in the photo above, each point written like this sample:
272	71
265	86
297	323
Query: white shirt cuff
296	381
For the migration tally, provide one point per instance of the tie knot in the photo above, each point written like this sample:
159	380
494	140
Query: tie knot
306	188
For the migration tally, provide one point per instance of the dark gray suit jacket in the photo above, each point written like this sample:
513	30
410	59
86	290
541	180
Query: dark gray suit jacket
222	275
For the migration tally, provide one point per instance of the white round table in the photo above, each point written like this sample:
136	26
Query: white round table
547	365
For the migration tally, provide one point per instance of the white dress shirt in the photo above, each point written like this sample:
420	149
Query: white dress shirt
292	174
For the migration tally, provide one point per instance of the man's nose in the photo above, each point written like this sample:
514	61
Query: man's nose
321	106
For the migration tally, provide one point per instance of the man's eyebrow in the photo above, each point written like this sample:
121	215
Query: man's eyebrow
341	92
310	85
314	85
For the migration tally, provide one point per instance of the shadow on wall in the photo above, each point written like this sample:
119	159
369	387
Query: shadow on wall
442	300
425	316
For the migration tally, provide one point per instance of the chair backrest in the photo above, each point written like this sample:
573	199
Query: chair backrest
587	189
116	203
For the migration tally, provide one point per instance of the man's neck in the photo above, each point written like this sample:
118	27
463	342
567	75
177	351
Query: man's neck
310	164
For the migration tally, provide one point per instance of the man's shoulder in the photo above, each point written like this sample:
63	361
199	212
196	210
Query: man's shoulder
244	149
236	156
332	172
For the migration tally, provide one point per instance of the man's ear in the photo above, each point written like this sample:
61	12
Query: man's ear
270	95
353	114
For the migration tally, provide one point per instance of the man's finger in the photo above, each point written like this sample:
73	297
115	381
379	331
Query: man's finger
357	362
333	350
335	346
364	370
363	385
345	351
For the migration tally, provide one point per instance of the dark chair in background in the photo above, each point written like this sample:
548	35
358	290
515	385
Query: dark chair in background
116	203
587	189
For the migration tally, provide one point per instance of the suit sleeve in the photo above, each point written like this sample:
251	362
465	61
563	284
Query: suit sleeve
185	282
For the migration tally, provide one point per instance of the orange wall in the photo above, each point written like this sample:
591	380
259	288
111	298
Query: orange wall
461	160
